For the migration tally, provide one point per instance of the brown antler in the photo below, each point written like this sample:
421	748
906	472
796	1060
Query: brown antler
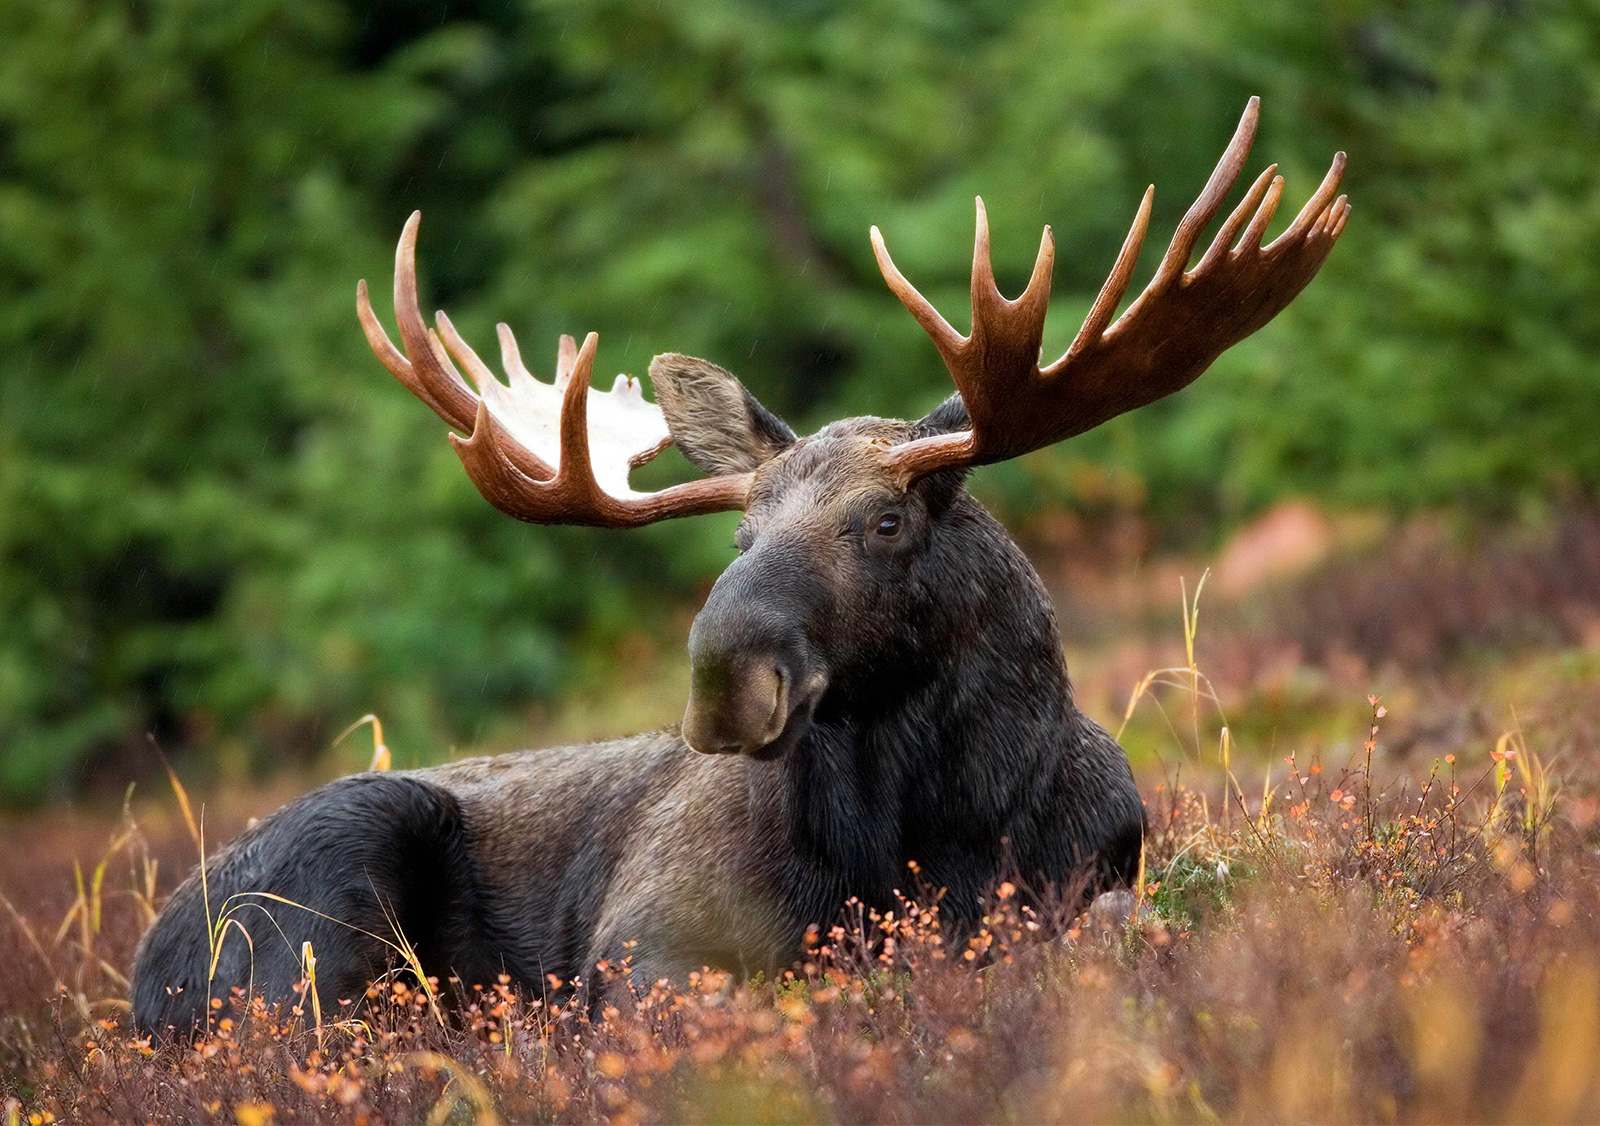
547	453
1165	340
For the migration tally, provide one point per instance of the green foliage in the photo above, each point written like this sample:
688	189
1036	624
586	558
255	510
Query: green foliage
220	520
1188	887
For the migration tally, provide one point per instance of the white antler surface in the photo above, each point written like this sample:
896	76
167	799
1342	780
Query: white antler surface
624	429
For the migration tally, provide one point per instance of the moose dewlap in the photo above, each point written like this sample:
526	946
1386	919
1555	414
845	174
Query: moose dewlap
876	680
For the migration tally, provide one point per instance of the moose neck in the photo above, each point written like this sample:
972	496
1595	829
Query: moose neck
925	756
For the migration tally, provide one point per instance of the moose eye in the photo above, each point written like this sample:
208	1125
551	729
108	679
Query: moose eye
888	525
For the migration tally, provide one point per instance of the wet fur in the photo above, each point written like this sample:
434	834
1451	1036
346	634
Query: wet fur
947	736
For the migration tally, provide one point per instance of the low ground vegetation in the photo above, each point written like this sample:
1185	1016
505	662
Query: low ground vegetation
1345	931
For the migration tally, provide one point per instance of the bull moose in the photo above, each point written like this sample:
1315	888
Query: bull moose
876	679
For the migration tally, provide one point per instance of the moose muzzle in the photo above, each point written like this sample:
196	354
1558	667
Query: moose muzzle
752	685
739	707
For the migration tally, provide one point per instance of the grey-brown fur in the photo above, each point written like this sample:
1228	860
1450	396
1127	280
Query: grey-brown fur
925	716
714	419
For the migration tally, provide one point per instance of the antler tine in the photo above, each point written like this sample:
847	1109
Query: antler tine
945	338
517	372
1037	293
985	293
1209	202
576	465
463	353
1242	214
1251	239
1116	284
1343	206
399	366
574	472
1314	207
566	358
431	378
378	340
441	379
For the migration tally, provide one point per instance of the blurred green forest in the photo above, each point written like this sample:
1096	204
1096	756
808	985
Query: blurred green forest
222	523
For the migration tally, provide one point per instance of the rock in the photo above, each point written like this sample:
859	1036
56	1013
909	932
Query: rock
1111	910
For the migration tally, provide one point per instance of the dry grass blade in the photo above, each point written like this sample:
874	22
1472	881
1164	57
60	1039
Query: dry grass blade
381	758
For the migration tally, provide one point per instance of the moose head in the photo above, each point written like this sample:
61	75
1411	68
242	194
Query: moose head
840	546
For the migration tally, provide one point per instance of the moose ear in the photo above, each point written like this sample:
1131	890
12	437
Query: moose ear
946	418
713	419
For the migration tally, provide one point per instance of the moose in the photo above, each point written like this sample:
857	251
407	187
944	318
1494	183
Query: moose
876	681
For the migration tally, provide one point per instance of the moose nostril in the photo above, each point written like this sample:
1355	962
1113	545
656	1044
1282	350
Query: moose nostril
780	702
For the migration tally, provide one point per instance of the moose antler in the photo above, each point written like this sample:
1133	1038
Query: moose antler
546	453
1165	340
